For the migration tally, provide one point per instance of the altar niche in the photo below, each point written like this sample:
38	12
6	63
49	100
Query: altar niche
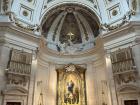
71	88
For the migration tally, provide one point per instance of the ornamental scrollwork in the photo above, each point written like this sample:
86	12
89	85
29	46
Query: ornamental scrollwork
5	5
14	20
126	19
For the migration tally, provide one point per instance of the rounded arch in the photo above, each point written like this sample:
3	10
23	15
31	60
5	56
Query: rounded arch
52	8
70	19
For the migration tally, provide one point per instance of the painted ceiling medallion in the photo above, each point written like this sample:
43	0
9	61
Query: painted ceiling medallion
25	13
114	12
29	0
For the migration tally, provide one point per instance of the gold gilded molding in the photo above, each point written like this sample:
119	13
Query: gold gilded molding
134	6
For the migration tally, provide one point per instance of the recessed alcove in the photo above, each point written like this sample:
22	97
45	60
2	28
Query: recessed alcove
70	29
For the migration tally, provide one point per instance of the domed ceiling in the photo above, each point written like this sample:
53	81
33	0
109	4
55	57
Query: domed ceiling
70	29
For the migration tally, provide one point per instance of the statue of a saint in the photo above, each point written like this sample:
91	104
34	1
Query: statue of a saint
70	86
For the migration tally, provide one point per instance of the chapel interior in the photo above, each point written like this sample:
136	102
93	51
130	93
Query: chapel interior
69	52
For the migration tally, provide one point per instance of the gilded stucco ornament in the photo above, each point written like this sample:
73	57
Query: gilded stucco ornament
109	27
12	16
134	6
25	13
5	5
29	27
114	12
33	28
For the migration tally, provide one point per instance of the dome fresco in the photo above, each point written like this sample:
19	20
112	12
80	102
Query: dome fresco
70	29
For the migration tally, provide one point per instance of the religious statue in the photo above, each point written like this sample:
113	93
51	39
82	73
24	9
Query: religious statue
72	94
70	86
67	47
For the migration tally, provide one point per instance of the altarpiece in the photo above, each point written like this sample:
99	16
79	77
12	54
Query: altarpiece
71	88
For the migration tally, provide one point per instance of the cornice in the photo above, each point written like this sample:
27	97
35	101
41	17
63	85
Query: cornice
97	48
92	55
122	37
10	32
131	27
17	30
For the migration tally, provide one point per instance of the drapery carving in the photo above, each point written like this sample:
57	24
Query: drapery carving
124	69
71	85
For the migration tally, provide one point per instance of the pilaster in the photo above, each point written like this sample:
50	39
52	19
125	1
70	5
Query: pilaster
112	87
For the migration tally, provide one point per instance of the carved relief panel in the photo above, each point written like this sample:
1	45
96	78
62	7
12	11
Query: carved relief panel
123	66
19	68
18	78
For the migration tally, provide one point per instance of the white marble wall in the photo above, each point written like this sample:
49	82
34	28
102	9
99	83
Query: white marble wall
46	82
4	58
136	54
122	39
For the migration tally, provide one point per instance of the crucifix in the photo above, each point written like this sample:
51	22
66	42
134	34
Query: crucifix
70	34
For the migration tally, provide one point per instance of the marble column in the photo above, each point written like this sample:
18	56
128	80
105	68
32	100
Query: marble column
113	93
136	54
90	84
51	97
32	82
